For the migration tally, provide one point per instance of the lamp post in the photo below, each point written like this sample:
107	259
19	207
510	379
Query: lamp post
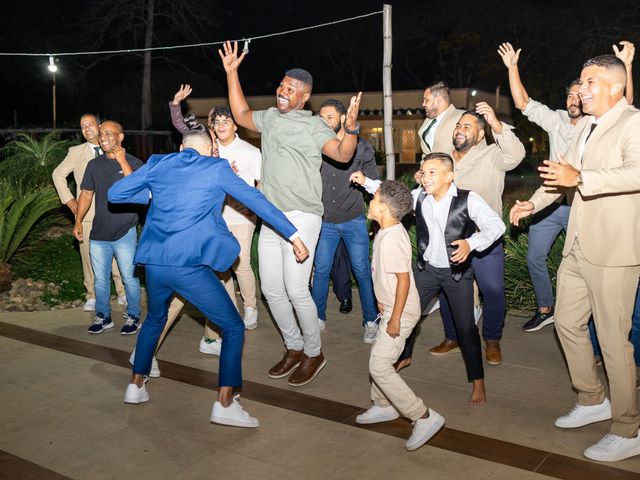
53	68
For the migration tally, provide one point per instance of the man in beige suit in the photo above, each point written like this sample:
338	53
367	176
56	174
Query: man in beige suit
76	162
599	272
437	129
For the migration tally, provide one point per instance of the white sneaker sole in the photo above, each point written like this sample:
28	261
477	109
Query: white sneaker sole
548	321
251	326
230	422
585	421
435	428
608	457
309	380
136	399
380	419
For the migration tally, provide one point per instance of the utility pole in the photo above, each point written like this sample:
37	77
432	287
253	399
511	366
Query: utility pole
387	93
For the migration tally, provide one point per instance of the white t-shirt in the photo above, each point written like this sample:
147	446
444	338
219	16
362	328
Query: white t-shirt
249	162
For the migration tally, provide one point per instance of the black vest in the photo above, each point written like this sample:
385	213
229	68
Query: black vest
459	227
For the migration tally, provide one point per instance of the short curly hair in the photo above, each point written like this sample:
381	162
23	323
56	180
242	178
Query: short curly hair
397	197
219	111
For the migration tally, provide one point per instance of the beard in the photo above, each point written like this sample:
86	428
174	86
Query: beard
464	145
574	112
337	128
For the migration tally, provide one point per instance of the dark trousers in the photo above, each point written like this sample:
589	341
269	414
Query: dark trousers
488	268
201	288
460	295
341	273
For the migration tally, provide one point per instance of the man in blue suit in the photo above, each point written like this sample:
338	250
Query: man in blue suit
183	241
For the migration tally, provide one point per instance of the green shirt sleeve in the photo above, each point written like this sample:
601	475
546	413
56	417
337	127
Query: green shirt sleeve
258	118
320	132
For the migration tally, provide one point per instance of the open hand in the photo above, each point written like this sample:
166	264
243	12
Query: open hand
184	92
229	56
520	210
627	52
509	55
483	108
559	174
352	112
461	253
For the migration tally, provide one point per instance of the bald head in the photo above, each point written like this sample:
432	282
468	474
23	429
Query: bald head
198	140
110	135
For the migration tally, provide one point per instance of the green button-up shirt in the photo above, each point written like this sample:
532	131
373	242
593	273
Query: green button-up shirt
291	158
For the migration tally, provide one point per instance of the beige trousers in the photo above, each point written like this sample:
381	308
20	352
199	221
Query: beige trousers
388	387
242	267
87	271
609	294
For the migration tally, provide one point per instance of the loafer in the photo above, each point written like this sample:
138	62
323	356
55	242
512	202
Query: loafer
424	429
377	414
346	305
307	370
289	362
582	415
492	352
447	346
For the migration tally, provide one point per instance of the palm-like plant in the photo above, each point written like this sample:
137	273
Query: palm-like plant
20	209
30	162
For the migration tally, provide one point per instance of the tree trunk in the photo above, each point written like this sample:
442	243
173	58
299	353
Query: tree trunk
145	119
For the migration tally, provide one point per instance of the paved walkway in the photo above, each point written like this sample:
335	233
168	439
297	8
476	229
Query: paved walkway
62	413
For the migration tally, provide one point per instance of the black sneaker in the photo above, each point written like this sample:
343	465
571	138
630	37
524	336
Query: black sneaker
538	321
100	324
131	324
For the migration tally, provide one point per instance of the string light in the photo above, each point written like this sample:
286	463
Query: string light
53	68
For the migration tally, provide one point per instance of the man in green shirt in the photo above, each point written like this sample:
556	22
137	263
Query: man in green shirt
293	142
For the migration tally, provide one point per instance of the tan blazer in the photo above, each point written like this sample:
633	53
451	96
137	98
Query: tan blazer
605	214
444	131
75	162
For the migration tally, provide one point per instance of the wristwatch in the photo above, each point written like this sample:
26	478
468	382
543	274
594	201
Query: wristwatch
355	131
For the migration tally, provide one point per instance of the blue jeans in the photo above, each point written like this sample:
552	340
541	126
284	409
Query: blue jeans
542	233
102	253
356	238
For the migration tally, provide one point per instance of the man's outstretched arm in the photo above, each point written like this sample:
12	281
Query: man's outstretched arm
626	55
510	58
242	114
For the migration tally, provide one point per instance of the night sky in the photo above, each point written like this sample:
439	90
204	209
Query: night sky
455	41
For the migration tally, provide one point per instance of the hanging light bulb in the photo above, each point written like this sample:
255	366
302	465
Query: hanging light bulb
245	47
53	68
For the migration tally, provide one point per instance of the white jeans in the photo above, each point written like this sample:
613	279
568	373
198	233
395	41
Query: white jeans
285	282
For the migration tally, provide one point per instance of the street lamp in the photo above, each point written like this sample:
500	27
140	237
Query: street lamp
53	68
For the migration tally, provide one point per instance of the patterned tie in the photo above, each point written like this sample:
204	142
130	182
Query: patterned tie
424	134
97	149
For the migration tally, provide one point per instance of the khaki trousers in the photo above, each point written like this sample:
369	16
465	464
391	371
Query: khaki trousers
87	271
242	267
609	294
388	387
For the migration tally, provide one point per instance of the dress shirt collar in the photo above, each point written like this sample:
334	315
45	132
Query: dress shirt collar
451	192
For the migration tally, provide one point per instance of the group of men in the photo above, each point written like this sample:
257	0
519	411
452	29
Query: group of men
309	197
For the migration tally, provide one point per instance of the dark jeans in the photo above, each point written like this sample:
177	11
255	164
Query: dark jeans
341	273
460	294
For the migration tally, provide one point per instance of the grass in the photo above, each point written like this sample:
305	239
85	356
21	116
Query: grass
52	260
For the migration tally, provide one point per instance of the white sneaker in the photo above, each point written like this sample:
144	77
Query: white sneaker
89	305
477	313
424	429
233	415
134	394
582	415
250	318
122	300
155	369
370	332
377	414
434	306
612	448
212	348
322	324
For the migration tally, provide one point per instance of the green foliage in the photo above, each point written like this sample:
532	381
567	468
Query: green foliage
20	209
54	260
29	162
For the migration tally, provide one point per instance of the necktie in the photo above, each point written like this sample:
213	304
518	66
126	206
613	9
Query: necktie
422	232
593	127
97	149
426	132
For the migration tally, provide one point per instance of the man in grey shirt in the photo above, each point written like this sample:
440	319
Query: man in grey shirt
293	142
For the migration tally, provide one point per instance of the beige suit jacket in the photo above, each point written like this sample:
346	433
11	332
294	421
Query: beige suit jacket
75	162
444	132
605	213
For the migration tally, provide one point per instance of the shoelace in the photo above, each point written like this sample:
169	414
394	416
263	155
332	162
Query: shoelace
129	321
609	441
576	410
235	400
98	321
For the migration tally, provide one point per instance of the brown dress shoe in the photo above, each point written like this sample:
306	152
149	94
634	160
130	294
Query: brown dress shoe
284	367
492	352
307	371
447	346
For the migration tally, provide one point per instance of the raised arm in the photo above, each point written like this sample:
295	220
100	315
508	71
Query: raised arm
626	55
242	114
174	107
513	151
510	58
342	150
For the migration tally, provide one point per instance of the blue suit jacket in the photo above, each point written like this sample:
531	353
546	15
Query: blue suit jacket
184	225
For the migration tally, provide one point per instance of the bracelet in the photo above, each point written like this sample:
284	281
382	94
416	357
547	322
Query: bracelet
355	131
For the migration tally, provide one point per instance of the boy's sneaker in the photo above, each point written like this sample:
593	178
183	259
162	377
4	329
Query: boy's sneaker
134	394
377	414
210	347
131	324
612	448
100	324
424	429
155	369
233	415
250	318
582	415
538	321
370	332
